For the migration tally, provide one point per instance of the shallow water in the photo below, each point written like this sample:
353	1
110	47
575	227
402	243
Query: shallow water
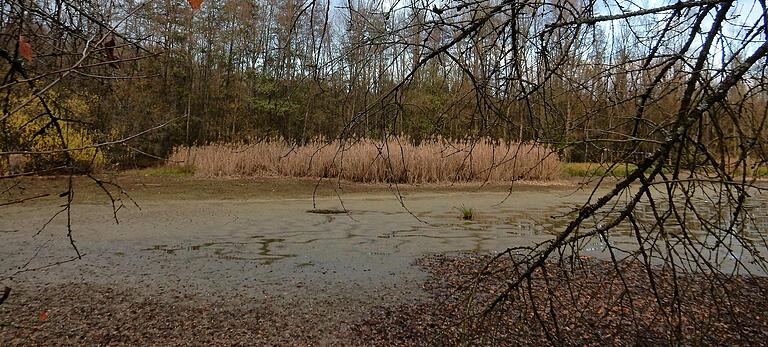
281	248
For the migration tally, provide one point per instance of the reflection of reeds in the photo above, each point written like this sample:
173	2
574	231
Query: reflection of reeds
395	160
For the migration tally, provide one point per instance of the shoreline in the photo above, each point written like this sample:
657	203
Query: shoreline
83	313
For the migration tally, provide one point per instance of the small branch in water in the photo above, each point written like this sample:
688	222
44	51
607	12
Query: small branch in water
24	199
6	294
328	211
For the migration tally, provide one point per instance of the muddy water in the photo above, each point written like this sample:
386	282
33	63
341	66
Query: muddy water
279	248
272	246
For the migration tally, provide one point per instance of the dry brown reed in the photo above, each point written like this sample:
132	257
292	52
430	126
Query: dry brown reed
375	161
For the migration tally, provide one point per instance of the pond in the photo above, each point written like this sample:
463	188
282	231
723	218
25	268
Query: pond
288	246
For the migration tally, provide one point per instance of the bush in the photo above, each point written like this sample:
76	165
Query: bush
30	130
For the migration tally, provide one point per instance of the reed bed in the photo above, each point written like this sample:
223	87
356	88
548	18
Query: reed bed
375	161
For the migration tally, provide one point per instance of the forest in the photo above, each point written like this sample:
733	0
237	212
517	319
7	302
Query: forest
383	172
242	71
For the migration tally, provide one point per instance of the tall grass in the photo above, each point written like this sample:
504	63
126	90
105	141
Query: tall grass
396	160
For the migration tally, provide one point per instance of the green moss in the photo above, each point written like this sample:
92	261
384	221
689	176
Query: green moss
163	171
599	169
760	172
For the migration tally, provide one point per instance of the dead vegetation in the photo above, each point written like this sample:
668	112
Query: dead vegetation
371	161
585	303
92	315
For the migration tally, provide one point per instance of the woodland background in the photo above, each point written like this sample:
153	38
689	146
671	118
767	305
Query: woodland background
248	70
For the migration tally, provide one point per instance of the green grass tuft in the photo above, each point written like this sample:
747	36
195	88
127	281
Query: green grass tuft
467	213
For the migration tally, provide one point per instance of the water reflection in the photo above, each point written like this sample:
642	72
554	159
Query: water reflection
260	249
701	231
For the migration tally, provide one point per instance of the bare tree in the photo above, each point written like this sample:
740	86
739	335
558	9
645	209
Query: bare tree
54	55
677	90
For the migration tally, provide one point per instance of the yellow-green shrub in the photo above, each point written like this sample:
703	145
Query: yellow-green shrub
30	129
